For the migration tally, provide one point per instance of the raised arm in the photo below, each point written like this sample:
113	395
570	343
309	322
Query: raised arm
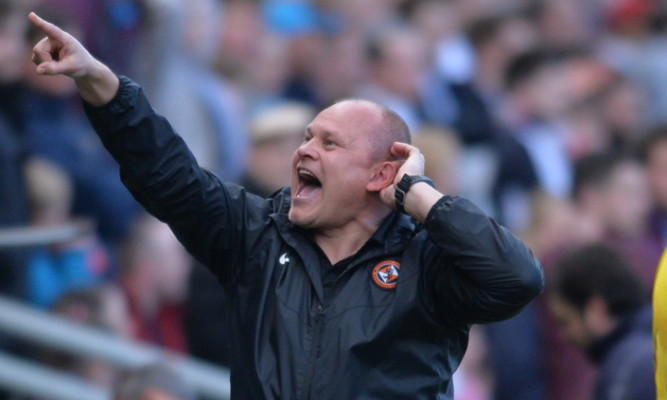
59	53
214	220
477	270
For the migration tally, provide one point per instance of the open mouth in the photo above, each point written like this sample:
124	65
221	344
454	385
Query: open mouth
308	184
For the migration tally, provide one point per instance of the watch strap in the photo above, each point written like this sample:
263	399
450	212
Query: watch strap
404	186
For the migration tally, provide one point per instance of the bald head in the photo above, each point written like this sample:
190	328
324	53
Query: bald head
384	126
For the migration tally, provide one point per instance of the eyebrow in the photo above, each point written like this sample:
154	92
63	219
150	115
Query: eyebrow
325	134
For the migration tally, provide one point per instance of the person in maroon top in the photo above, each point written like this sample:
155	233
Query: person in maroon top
154	275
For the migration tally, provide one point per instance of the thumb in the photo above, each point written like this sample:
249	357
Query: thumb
49	68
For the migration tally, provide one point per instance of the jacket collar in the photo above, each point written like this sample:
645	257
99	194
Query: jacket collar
394	233
391	237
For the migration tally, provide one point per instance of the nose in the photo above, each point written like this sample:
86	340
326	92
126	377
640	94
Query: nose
307	150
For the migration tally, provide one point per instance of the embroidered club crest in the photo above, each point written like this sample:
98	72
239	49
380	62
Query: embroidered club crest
385	274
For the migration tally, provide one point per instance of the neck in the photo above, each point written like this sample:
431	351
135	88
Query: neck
342	242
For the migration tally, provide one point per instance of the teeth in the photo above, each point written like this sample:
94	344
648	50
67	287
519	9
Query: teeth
307	175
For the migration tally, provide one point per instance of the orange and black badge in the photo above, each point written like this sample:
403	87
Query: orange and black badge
385	274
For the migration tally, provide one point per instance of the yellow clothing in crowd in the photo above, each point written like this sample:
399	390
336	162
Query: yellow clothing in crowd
660	328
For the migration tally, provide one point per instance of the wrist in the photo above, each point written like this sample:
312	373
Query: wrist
98	85
404	186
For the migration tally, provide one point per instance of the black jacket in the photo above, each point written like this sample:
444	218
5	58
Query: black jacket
391	324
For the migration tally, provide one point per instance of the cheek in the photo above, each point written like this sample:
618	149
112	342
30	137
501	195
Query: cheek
295	159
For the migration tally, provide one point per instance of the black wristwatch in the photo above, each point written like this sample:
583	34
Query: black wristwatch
403	187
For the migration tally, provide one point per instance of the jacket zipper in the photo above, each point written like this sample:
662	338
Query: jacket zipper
314	350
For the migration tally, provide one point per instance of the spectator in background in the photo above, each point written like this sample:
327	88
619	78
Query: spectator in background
154	275
623	106
59	132
586	81
448	96
635	45
586	131
276	133
660	328
496	41
339	68
565	23
153	382
536	100
55	269
300	23
556	226
612	193
443	150
654	156
398	64
264	83
177	49
324	48
602	307
474	379
103	308
13	146
240	39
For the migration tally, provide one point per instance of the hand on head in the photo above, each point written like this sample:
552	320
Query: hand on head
413	164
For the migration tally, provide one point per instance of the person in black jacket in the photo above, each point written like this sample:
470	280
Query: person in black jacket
602	307
361	281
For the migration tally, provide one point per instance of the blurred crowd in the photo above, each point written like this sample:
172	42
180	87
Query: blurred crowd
551	115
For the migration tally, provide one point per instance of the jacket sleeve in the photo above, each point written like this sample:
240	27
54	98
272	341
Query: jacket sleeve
209	217
476	270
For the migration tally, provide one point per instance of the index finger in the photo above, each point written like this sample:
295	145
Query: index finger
51	30
402	150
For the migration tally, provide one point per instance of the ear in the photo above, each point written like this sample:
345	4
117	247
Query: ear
383	176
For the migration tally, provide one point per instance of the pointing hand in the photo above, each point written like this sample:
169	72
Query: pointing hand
59	53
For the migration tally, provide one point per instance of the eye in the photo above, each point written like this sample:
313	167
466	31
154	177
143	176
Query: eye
329	143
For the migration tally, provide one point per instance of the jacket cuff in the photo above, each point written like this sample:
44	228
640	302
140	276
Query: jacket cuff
442	205
118	104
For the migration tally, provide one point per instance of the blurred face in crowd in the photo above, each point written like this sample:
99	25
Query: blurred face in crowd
627	200
438	19
270	70
657	173
623	108
403	64
13	47
268	166
339	68
332	168
547	91
575	325
159	264
174	265
564	22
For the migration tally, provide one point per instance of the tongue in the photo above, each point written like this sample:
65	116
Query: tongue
307	190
